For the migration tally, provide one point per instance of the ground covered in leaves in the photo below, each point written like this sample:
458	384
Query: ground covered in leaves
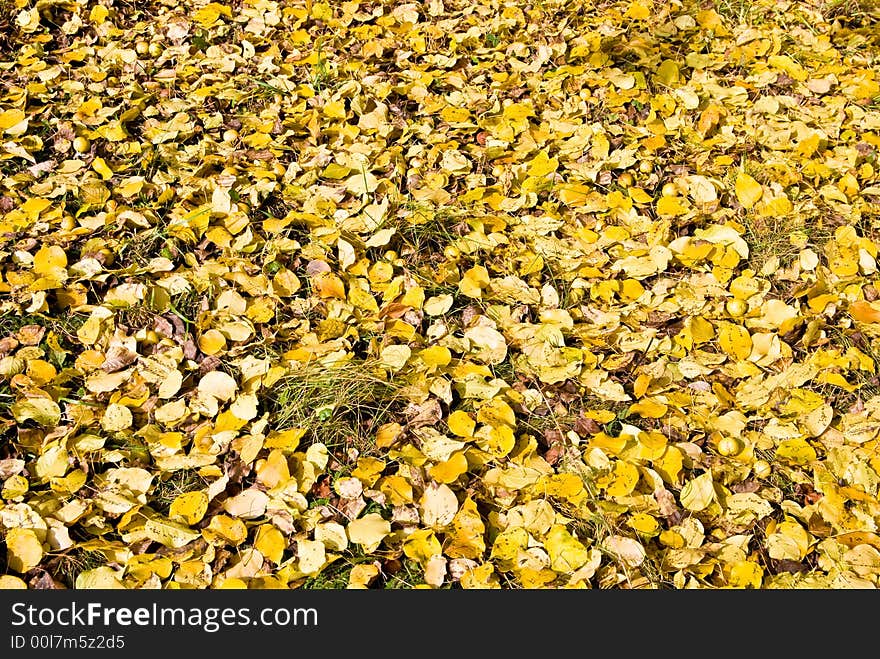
439	294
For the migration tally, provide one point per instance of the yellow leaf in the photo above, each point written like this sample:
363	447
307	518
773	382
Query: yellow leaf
567	486
312	555
638	11
232	583
625	477
421	545
508	544
864	559
744	574
566	552
51	261
651	445
101	578
212	341
33	207
10	118
225	530
518	111
394	357
487	345
790	541
639	196
795	451
698	493
671	206
438	305
818	420
208	15
335	110
40	371
274	470
332	535
102	168
9	582
436	356
789	66
219	385
451	469
480	577
435	571
98	14
116	418
575	194
466	540
70	484
455	115
438	505
334	170
362	183
644	524
362	575
530	578
496	412
627	550
387	434
461	424
397	489
368	531
23	549
648	409
474	281
169	533
672	539
286	440
735	340
43	411
748	190
189	507
776	207
112	132
710	117
285	283
499	441
667	73
865	312
368	470
15	486
542	164
328	285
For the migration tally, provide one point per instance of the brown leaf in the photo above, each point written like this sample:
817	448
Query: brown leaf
30	335
584	425
162	326
351	508
321	487
118	357
7	345
44	581
208	364
428	413
552	455
190	349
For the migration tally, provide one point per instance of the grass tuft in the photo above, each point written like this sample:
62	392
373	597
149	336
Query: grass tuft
73	563
340	406
171	485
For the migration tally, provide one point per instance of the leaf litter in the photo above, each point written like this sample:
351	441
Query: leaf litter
439	294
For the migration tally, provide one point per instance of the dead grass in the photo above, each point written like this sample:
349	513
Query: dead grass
171	485
340	406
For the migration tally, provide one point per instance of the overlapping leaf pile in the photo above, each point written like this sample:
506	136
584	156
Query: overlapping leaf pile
439	294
